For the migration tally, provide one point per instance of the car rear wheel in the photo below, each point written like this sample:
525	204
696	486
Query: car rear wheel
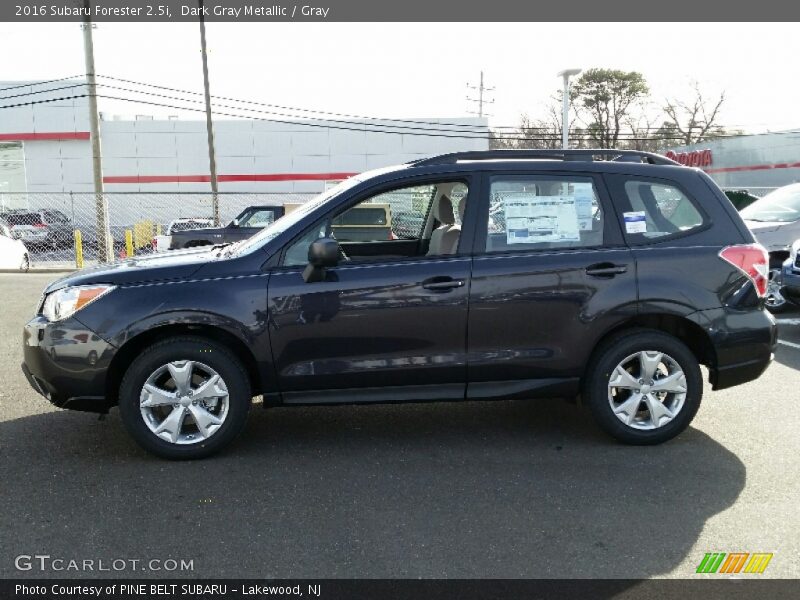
185	398
644	387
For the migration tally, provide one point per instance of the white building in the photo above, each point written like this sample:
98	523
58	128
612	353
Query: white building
747	161
45	147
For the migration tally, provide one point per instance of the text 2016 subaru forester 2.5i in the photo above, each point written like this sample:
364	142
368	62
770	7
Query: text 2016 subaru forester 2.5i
518	274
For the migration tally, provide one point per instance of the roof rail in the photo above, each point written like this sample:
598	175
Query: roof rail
588	155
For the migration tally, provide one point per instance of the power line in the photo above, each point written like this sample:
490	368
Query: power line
287	115
362	128
298	109
48	90
357	126
427	133
293	108
44	101
35	83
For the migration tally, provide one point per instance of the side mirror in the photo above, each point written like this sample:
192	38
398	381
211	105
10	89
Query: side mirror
235	223
322	253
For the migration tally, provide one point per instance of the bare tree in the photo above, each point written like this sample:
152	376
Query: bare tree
531	133
696	120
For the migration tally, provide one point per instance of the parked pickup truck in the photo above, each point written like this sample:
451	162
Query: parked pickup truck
249	222
365	223
163	242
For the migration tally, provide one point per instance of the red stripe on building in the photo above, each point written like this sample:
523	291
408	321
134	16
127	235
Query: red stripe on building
794	165
40	137
224	178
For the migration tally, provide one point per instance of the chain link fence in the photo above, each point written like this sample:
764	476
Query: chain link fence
60	230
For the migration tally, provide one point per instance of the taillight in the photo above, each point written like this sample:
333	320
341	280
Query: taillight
39	225
753	261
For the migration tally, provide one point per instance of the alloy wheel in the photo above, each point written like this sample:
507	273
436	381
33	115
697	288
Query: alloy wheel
774	297
647	390
184	402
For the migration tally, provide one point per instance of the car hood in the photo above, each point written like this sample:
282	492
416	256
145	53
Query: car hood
209	229
173	265
764	226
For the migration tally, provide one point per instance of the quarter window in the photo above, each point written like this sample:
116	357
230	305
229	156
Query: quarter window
657	209
543	213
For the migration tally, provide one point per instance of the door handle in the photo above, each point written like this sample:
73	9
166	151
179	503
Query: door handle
606	270
442	284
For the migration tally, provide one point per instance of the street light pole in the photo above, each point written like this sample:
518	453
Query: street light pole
212	160
566	74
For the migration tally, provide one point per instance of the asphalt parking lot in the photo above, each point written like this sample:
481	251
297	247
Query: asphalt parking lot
504	489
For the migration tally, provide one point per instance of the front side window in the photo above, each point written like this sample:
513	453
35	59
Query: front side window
419	220
258	218
540	213
656	210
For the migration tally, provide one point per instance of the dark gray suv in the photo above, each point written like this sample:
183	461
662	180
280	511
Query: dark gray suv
511	274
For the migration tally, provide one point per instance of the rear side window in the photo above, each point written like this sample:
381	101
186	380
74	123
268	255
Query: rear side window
657	209
542	213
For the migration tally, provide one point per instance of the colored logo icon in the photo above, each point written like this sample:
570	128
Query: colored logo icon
734	562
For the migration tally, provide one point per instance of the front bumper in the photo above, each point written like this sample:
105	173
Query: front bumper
66	362
790	282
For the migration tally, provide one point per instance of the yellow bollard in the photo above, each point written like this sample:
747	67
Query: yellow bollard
78	249
128	243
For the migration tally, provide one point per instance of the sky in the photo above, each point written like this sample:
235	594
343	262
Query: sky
418	70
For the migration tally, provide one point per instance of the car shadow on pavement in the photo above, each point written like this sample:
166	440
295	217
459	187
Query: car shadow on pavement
463	490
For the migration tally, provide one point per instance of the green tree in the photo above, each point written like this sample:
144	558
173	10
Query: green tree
605	99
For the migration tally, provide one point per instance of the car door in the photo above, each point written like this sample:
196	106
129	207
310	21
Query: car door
550	276
387	325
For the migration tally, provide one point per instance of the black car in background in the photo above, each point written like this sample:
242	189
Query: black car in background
529	274
249	222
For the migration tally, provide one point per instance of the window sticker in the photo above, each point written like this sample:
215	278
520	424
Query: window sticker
635	222
531	219
584	198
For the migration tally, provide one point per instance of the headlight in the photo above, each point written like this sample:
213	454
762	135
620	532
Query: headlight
67	301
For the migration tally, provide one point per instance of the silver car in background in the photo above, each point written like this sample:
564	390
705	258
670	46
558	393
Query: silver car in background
775	221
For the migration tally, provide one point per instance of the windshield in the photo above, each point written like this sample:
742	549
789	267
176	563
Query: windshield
782	205
297	215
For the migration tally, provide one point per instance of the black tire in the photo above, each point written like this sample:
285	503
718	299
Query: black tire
610	354
208	352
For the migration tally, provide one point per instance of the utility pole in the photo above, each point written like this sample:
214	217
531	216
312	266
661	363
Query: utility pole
212	160
481	88
104	245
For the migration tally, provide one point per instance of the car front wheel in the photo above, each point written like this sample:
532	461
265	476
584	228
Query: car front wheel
644	387
185	398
